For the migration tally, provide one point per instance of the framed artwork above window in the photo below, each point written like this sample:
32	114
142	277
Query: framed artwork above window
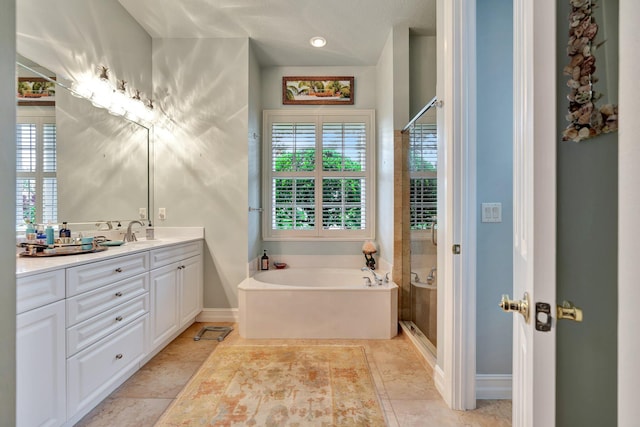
334	90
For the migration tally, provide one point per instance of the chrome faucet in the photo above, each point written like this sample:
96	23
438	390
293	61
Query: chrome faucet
378	279
432	275
417	277
130	236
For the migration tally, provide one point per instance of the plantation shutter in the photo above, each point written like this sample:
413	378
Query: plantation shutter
36	164
423	166
293	152
344	162
318	174
49	180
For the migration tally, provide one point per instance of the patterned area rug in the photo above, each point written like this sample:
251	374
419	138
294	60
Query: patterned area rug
279	386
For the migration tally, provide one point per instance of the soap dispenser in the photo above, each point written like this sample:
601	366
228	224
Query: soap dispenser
264	261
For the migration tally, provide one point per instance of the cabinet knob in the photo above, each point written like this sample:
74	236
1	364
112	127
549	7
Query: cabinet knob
119	318
118	270
119	356
118	294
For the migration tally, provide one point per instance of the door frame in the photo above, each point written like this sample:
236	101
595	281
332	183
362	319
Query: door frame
628	202
455	372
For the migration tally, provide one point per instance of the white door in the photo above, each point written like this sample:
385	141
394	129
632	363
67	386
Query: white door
629	206
534	209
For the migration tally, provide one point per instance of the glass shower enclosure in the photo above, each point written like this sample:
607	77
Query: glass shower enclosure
420	291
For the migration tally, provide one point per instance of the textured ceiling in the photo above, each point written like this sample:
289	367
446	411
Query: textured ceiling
356	30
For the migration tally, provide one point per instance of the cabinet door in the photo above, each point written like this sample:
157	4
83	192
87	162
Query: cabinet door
190	288
164	303
40	366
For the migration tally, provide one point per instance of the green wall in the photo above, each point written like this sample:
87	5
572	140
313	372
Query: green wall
587	252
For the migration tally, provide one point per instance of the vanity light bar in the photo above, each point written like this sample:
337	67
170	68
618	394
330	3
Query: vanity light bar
104	94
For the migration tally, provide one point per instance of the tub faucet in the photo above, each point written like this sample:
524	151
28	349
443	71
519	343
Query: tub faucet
130	236
378	279
432	275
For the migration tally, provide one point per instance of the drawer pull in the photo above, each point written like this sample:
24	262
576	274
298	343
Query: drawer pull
184	266
179	267
118	270
119	318
118	294
119	356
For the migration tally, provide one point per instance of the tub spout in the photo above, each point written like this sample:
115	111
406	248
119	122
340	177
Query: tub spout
378	279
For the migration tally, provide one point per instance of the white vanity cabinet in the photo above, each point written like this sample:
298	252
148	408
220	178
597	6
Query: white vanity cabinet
84	327
40	350
107	317
176	289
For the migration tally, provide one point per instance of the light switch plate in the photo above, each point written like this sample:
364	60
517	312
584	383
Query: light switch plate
492	212
162	214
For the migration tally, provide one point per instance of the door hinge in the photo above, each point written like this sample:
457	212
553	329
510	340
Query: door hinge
455	249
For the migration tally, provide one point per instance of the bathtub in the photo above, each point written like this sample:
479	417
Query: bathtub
316	303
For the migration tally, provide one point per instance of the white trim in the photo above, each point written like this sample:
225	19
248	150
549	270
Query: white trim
628	202
218	315
438	379
497	386
456	128
429	357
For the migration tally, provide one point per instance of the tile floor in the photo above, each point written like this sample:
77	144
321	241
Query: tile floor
403	380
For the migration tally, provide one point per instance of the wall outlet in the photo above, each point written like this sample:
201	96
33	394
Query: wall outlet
492	212
162	214
142	212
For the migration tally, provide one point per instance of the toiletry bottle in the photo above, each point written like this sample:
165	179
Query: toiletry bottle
64	231
30	232
150	232
264	261
49	234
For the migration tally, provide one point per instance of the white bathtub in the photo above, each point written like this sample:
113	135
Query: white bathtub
316	303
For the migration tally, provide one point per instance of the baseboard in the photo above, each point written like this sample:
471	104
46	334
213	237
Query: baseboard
493	386
218	315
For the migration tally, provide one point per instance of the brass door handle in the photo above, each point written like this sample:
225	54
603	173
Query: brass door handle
569	312
521	306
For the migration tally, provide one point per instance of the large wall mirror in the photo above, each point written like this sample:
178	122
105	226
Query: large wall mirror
75	162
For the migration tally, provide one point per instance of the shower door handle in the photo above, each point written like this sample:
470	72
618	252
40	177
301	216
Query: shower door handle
434	240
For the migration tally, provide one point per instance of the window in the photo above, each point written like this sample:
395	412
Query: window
318	175
423	165
36	182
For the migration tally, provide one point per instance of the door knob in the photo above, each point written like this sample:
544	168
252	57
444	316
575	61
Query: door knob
570	312
521	306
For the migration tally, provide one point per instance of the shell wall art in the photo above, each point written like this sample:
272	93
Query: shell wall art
586	118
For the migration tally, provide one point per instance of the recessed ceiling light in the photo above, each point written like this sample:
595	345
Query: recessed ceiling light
318	41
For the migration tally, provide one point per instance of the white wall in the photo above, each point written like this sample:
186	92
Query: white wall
7	212
255	166
384	153
422	71
202	152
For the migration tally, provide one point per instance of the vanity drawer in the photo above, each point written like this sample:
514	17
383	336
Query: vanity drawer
93	330
97	369
89	304
91	276
165	256
39	290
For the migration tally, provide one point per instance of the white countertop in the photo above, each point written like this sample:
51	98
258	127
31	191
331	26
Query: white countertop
26	266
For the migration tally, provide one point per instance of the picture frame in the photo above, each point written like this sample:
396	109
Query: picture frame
325	90
35	91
